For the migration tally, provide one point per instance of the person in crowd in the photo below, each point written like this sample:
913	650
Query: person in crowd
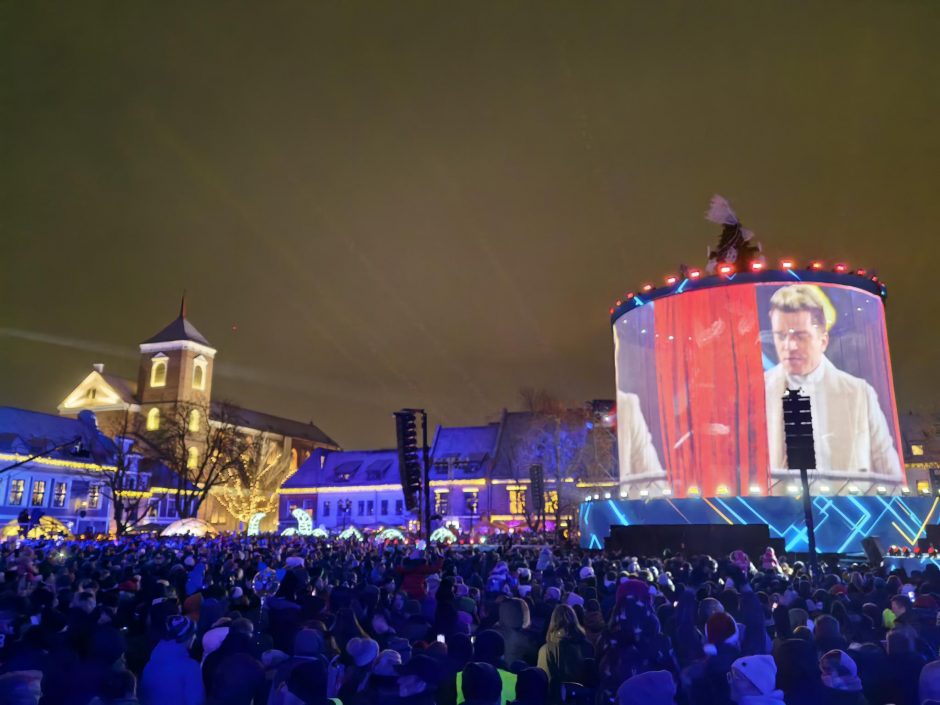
841	684
565	650
753	681
171	675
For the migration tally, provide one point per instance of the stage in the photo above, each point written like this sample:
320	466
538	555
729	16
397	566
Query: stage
841	522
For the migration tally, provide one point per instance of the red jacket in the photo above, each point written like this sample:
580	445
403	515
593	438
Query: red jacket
412	583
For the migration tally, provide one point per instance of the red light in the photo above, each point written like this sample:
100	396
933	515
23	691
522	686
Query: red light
671	280
757	266
619	302
612	311
694	274
787	264
647	287
874	278
841	269
629	296
816	265
725	269
861	272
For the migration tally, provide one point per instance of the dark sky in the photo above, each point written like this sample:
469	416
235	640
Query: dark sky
435	204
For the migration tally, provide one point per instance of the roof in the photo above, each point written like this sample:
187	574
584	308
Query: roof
179	329
274	424
30	432
465	442
353	467
125	388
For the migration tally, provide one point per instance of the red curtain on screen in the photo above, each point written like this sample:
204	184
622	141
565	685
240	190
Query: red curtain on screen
711	391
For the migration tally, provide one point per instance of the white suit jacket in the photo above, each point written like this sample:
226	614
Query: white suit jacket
850	431
638	458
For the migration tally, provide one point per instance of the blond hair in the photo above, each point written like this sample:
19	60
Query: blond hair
800	297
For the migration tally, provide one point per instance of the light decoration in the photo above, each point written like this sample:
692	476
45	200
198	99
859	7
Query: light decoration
817	265
786	264
693	490
672	279
57	463
351	532
390	534
725	269
304	522
47	528
694	273
190	527
342	489
320	533
250	487
443	535
757	266
646	288
254	524
289	531
722	490
841	268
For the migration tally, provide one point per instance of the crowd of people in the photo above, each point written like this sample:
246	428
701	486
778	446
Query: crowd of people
272	620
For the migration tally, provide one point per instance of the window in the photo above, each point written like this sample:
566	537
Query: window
94	497
517	501
153	419
917	449
199	373
399	507
192	458
91	393
17	487
39	493
59	494
923	487
158	371
362	507
194	419
551	501
471	501
326	508
171	507
384	507
440	502
370	507
153	507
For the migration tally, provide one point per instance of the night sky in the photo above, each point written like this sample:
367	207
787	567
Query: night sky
434	204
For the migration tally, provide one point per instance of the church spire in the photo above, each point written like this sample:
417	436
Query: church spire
183	305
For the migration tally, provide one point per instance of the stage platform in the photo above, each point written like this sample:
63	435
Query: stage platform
841	522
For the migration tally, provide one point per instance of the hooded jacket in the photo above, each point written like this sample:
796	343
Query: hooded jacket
521	645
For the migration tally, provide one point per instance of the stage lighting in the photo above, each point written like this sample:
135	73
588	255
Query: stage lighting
597	496
882	489
754	489
853	489
647	288
816	265
644	493
757	266
694	274
618	303
861	272
825	489
793	489
623	494
629	296
612	309
786	264
924	490
607	495
722	490
841	269
726	269
905	490
588	498
667	492
671	280
693	490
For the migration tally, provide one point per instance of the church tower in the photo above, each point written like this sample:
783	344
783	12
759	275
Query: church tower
175	365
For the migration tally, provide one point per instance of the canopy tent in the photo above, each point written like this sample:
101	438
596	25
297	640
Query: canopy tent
190	527
47	528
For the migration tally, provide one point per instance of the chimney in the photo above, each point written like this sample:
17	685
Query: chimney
99	367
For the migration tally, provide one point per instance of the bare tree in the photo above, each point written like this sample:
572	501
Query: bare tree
202	450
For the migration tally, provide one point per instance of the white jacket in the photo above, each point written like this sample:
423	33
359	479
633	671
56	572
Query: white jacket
850	431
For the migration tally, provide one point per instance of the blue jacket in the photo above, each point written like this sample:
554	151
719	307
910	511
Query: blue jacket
171	676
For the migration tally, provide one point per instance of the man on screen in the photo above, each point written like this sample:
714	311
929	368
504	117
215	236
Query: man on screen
850	431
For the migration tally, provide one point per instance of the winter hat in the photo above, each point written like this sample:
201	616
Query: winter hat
213	639
720	629
761	671
402	646
237	593
466	604
362	651
586	572
308	642
633	589
179	628
552	594
573	599
650	688
481	683
839	671
386	663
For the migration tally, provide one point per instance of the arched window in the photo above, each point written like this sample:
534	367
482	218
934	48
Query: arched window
153	419
194	420
192	458
158	372
199	372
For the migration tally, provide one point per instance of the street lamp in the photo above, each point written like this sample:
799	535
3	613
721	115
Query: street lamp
472	508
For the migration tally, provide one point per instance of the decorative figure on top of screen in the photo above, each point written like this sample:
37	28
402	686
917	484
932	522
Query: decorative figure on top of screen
852	437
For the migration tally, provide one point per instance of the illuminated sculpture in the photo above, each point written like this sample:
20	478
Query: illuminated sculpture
255	523
443	535
390	535
350	533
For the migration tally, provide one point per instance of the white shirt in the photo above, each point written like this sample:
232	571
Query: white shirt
850	432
